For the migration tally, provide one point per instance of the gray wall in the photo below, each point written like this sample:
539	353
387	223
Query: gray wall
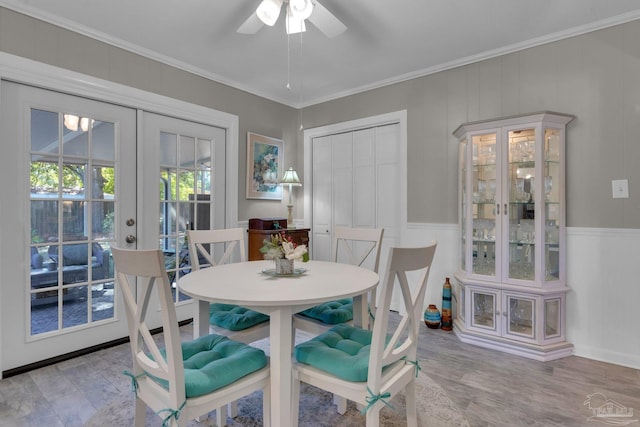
595	77
30	38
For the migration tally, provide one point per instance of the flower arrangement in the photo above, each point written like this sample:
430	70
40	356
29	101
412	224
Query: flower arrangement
282	246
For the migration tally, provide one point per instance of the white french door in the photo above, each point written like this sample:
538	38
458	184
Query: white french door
68	167
356	183
81	176
182	177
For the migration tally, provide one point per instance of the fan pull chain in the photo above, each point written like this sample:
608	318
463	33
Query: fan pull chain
301	87
288	62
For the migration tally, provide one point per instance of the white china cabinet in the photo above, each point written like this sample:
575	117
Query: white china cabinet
510	287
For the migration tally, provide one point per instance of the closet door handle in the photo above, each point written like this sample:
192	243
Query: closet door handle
498	208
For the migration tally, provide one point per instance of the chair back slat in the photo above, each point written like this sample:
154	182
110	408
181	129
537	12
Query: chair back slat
357	245
208	243
404	337
139	274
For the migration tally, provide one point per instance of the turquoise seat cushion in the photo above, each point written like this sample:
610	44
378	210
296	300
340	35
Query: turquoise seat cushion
214	361
342	351
233	317
332	312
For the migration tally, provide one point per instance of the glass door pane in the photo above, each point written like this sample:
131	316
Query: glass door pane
552	209
185	198
522	186
521	316
483	309
552	318
483	199
463	206
72	220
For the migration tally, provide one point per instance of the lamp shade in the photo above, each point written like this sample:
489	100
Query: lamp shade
290	177
268	11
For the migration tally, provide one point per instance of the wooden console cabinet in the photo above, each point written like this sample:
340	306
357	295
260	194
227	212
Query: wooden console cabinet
263	228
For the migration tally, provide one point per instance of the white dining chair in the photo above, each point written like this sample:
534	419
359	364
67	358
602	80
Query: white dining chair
180	381
208	248
356	246
372	367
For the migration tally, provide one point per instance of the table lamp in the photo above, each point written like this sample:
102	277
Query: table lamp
290	178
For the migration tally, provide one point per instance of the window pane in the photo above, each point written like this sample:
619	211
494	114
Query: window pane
74	309
73	220
44	312
44	221
76	138
102	301
44	131
103	141
187	184
168	149
44	175
187	152
73	179
103	214
103	178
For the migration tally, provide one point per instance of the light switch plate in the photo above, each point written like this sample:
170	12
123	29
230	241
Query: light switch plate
620	188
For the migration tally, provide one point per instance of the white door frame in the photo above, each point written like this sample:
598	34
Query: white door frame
26	71
399	117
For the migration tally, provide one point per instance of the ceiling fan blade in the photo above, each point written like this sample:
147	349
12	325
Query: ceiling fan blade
251	26
326	21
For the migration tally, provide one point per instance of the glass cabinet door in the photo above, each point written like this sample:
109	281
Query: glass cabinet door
552	211
552	319
520	312
521	182
484	149
484	309
463	205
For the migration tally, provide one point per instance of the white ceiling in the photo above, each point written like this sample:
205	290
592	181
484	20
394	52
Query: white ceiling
386	40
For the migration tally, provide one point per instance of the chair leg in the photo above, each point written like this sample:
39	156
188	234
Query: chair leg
266	406
140	416
410	399
341	404
373	417
295	400
233	409
221	416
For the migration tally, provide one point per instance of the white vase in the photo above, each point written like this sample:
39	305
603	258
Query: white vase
284	266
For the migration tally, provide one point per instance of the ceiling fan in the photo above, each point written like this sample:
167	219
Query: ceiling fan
297	11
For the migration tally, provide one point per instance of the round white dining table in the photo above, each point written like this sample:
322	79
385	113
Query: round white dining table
251	284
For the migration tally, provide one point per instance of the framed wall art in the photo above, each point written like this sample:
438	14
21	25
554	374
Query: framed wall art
264	167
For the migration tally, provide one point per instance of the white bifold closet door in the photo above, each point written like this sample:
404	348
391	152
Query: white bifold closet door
356	183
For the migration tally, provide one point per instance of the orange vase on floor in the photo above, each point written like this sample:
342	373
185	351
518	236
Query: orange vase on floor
432	317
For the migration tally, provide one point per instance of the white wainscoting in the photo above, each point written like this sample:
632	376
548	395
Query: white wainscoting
603	306
603	272
445	261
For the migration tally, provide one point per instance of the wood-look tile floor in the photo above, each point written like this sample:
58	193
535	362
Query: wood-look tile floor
491	388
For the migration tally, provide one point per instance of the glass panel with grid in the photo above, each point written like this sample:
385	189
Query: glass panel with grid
185	199
72	198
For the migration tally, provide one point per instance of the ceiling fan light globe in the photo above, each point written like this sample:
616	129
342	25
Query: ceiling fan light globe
294	24
301	9
268	11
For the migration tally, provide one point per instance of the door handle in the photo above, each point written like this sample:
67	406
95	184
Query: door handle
130	238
